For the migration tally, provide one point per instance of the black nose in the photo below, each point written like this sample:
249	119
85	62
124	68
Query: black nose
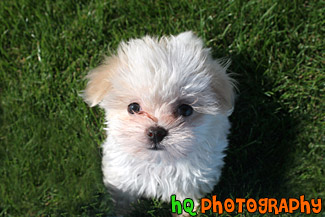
156	134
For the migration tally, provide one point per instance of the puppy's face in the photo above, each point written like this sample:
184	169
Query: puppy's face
163	98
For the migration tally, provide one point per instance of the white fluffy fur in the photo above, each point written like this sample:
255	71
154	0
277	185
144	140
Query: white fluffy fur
161	74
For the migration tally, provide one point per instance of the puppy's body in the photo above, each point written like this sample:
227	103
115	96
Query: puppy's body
167	104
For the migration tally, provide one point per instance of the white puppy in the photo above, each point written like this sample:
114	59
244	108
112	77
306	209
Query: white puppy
167	104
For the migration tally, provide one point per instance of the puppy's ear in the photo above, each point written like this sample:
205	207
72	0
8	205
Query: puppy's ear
223	86
99	83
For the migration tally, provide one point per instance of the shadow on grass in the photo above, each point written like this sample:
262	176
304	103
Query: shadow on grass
261	141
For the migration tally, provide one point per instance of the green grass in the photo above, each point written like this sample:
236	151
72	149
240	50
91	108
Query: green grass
49	151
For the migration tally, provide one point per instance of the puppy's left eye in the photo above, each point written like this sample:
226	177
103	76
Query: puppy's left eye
184	110
134	108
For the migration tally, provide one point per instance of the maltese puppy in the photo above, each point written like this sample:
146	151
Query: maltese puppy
166	104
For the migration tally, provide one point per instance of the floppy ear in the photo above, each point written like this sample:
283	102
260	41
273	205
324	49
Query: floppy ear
223	85
99	81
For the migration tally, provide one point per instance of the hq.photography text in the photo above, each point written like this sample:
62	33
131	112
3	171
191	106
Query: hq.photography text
263	205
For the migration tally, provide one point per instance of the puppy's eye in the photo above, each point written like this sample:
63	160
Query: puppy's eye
184	110
134	108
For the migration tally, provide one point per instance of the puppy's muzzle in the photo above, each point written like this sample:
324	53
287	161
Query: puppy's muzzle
156	135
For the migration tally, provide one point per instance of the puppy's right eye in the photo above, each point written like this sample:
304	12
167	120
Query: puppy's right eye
134	108
185	110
